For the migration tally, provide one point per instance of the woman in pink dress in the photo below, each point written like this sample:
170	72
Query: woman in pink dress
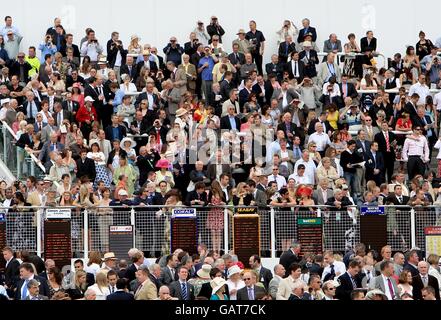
77	95
215	218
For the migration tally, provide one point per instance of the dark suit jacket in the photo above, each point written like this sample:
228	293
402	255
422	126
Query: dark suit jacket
302	33
176	290
125	70
285	50
289	68
379	138
364	44
130	272
370	165
206	290
44	288
86	169
417	284
411	268
392	199
225	123
351	91
343	291
66	115
193	195
75	106
24	108
359	147
225	88
156	281
166	277
12	273
265	276
242	294
46	149
109	132
293	129
287	258
112	52
234	60
120	296
24	140
143	96
153	66
276	69
310	66
261	201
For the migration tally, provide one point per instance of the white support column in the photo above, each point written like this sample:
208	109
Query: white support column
226	231
86	234
39	231
412	228
273	233
132	222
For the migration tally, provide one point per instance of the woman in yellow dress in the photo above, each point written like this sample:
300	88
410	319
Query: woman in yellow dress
164	174
125	169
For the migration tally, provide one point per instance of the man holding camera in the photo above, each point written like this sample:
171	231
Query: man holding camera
92	48
191	46
432	64
47	48
201	33
173	51
215	29
116	54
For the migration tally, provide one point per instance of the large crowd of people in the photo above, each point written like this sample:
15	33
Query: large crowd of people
210	124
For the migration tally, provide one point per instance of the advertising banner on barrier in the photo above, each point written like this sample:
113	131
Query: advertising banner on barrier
372	210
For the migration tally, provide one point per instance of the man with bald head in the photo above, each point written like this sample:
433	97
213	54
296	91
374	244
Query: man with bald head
279	273
423	280
164	294
50	146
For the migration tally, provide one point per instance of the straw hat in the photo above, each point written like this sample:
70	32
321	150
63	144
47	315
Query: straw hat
180	112
307	44
233	270
204	272
109	256
217	283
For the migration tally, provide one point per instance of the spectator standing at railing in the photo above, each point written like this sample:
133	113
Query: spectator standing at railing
416	153
421	89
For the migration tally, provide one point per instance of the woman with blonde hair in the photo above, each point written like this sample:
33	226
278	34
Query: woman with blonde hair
101	286
326	171
79	287
18	119
242	197
134	46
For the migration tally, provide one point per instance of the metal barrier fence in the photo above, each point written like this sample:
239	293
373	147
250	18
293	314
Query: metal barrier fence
24	228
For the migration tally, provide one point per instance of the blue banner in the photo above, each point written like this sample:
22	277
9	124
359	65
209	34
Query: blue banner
372	210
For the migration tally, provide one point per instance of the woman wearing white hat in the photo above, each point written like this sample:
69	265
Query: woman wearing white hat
128	145
234	281
134	46
203	276
218	285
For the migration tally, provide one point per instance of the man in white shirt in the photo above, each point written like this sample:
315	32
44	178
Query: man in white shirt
320	138
300	177
332	268
421	89
91	47
309	167
275	176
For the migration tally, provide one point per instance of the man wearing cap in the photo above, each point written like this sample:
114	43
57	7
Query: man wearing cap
12	43
147	64
243	45
214	28
310	58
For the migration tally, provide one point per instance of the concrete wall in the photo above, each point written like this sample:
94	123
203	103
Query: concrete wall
395	23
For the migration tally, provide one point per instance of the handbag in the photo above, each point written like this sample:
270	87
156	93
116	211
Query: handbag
190	187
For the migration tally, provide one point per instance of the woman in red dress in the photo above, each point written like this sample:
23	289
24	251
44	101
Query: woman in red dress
86	115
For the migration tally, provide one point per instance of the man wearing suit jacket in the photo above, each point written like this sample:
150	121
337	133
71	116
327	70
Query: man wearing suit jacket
190	73
197	197
332	44
27	274
146	289
347	89
12	270
129	68
290	256
296	67
349	281
226	86
328	69
150	96
259	197
384	139
48	130
368	42
60	115
70	105
397	198
121	293
374	164
85	166
31	105
265	275
178	77
237	59
422	280
289	128
33	290
385	282
275	67
306	29
146	63
322	119
168	273
286	48
251	291
322	194
51	145
180	288
310	58
230	121
285	96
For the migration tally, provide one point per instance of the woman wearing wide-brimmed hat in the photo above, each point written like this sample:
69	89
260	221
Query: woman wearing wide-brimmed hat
164	174
218	285
203	276
234	281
